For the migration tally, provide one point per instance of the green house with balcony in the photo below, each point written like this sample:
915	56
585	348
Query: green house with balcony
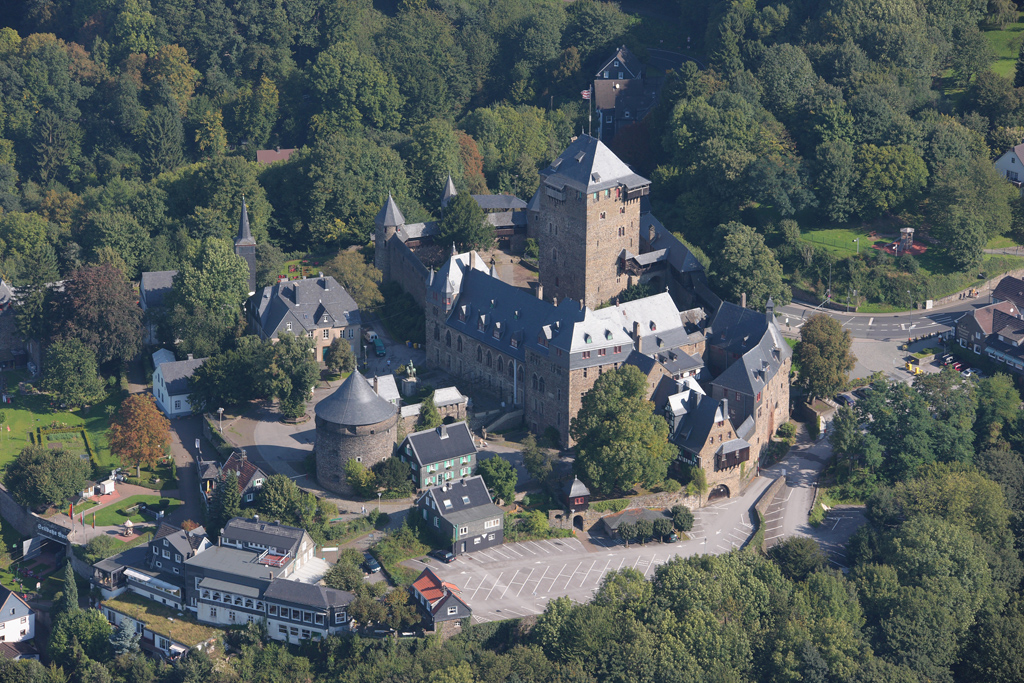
439	456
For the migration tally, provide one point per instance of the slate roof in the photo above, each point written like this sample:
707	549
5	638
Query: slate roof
7	594
756	367
628	61
297	593
1011	288
177	374
692	433
679	257
428	447
269	534
449	193
354	404
479	507
246	469
306	304
208	469
587	165
1008	327
736	329
155	285
245	237
387	388
575	488
446	396
506	219
416	231
184	542
448	278
499	202
389	215
983	316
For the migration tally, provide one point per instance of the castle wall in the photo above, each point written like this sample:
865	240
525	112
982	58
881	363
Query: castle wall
337	444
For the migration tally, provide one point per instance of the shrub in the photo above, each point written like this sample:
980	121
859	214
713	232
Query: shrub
813	428
787	430
671	485
616	505
553	437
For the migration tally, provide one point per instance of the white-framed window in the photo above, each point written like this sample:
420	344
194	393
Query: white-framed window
213	612
437	522
310	334
492	524
160	564
258	482
167	554
327	334
272	610
339	618
463	530
476	541
288	327
177	405
248	497
281	628
177	557
453	610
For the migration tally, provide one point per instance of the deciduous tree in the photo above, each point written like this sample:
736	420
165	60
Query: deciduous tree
41	476
500	477
746	266
620	441
429	417
70	373
139	432
823	355
99	308
225	503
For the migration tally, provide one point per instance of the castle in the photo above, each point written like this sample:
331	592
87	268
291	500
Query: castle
540	351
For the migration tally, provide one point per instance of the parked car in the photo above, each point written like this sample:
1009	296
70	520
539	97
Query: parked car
445	556
948	358
369	335
844	400
966	374
670	537
958	366
372	565
378	348
863	392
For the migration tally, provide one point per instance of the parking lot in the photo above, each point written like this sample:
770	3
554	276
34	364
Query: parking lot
519	579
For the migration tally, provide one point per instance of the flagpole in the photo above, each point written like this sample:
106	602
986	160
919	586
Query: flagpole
590	118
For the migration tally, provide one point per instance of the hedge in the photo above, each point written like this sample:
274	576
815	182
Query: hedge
615	505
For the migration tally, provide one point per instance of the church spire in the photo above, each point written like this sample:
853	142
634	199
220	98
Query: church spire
449	192
244	233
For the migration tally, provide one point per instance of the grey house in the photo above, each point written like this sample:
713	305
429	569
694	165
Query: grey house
464	514
439	455
302	611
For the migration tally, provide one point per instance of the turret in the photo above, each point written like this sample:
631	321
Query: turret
449	192
387	222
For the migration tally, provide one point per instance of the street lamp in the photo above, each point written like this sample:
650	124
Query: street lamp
572	528
911	321
379	494
857	240
220	418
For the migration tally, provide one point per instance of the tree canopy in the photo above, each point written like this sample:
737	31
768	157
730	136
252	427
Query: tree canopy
823	355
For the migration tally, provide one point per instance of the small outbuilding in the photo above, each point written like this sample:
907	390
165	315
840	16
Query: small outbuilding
575	495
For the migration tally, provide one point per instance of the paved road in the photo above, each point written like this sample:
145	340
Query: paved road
890	326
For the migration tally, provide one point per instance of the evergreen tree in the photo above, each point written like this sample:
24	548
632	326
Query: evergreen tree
125	639
68	602
226	503
1018	77
429	417
464	224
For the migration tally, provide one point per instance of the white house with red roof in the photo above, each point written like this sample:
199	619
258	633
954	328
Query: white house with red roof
439	599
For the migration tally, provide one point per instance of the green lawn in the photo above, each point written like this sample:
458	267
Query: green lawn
1001	242
841	241
296	269
114	515
26	413
1005	44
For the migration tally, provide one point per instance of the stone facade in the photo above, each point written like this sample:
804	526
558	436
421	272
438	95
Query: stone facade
337	444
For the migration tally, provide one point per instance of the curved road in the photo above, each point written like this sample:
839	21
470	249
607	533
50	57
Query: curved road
883	327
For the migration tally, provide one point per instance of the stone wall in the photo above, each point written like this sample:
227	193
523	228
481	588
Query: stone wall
591	517
19	518
337	444
766	500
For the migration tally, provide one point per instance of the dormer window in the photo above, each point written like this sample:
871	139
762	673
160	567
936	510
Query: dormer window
654	327
480	325
616	63
447	504
288	327
587	338
608	334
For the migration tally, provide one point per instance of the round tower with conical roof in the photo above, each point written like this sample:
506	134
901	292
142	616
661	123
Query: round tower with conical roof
387	222
353	423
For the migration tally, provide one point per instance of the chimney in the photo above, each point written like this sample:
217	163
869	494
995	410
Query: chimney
442	431
554	300
724	403
581	305
190	356
375	385
636	331
540	291
743	300
472	260
464	484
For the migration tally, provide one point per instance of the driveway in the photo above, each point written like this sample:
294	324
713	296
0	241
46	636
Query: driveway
888	326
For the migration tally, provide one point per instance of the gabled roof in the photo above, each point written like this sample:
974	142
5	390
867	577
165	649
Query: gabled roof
244	234
1010	288
387	388
447	396
155	285
185	542
983	316
575	488
308	304
431	587
448	278
269	156
462	501
633	515
389	215
756	367
246	469
611	93
354	404
692	433
736	329
499	202
6	596
678	256
297	593
267	534
587	165
1008	326
444	443
627	63
177	375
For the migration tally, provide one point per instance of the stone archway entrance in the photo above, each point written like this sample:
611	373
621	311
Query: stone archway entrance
720	491
577	522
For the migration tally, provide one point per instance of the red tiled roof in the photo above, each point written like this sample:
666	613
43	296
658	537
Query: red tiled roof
245	469
431	587
269	156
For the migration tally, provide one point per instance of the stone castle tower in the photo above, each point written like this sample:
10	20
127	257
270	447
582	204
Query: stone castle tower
353	423
588	219
387	222
245	246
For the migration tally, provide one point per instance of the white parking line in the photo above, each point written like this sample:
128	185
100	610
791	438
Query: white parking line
496	582
508	586
532	570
